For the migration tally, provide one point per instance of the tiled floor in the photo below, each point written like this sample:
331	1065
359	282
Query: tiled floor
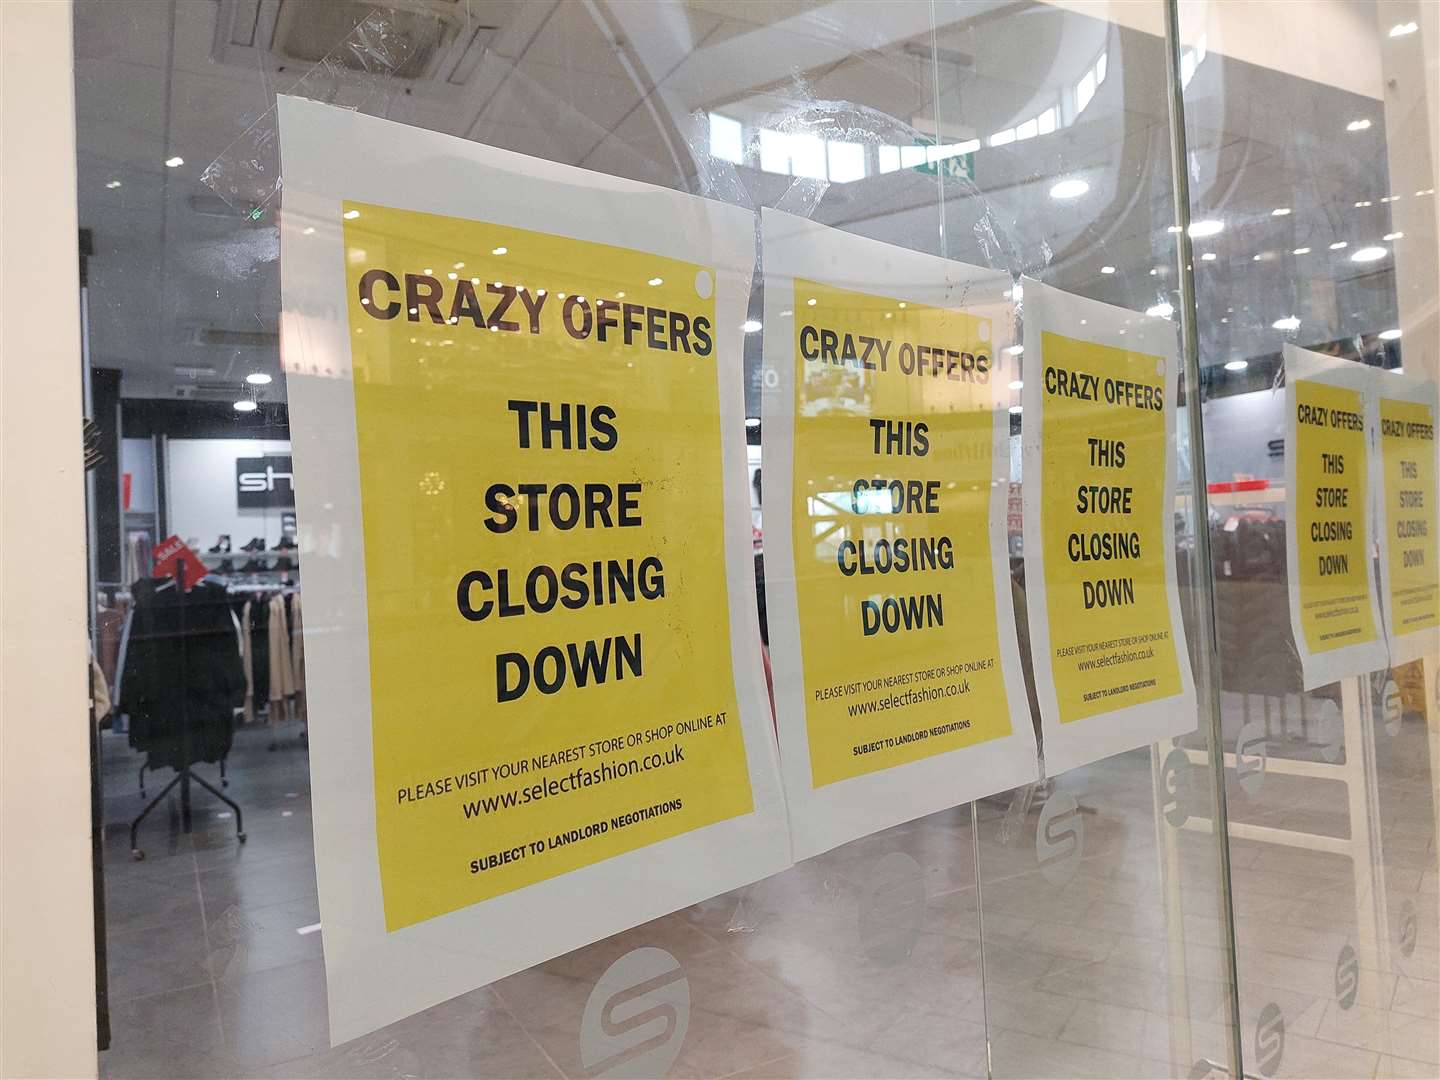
216	963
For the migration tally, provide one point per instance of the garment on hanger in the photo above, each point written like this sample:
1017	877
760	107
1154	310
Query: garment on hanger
297	655
255	625
181	675
282	678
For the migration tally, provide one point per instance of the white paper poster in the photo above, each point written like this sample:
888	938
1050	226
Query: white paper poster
1112	671
537	709
1403	418
898	686
1331	478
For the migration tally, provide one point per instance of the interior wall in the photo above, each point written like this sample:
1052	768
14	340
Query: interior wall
200	488
47	933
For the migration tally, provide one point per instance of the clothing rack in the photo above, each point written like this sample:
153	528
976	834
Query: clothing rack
183	776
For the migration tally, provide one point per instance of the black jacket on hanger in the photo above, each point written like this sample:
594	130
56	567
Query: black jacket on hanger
181	689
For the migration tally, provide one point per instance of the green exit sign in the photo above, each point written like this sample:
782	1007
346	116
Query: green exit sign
953	166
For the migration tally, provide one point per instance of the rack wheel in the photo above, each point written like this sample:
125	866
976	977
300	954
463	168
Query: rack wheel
137	854
241	837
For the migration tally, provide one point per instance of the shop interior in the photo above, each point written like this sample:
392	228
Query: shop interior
937	947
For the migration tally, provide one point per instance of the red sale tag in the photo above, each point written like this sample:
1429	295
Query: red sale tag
172	553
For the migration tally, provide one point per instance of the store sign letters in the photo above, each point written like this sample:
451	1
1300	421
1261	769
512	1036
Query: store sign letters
1410	570
892	633
537	709
1330	481
1112	671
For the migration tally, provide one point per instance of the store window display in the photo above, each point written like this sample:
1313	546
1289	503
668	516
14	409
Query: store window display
277	419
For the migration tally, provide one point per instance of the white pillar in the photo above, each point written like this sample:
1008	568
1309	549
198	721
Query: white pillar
47	940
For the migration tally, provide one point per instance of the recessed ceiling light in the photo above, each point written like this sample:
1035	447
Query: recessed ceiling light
1357	125
1162	309
1401	29
750	326
112	184
751	421
1015	350
1393	236
657	281
1369	254
245	405
174	162
351	215
257	378
1172	228
1209	256
1069	189
1208	227
1236	365
309	230
1018	384
1015	410
1280	211
500	251
1339	245
1107	269
810	302
1389	335
1289	322
1301	251
1363	203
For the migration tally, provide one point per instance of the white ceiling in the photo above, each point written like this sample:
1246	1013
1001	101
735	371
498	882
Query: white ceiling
616	86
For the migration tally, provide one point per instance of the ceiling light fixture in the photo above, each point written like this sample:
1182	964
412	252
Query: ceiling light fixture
1236	365
1393	236
1209	227
257	378
1015	350
245	405
1357	125
1162	310
1389	335
1107	269
351	215
1301	251
1017	384
1015	410
750	326
1069	189
1209	256
1339	245
174	162
1280	211
112	184
1369	254
1402	29
1289	322
657	281
500	251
